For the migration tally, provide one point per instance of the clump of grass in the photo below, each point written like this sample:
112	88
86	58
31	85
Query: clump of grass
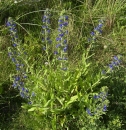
61	97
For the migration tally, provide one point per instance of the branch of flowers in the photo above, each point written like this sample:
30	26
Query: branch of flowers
46	33
95	33
116	61
102	106
15	54
103	95
62	46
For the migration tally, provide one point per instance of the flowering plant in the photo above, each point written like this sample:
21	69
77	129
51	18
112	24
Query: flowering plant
52	92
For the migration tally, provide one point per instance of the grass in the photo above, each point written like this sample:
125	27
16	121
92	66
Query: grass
61	98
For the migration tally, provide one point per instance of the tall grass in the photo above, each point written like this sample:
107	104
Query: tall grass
67	62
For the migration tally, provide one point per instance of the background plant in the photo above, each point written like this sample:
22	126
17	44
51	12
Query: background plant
82	20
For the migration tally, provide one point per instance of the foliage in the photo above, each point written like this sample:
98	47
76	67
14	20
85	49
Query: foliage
70	73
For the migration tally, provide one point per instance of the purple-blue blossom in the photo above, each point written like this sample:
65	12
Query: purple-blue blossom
115	62
46	28
105	108
21	77
61	39
100	100
97	30
89	112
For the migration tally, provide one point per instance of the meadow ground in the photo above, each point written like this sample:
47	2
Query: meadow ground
63	64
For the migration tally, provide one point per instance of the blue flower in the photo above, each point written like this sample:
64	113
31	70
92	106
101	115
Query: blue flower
18	65
89	112
111	66
65	41
99	103
58	39
26	91
13	59
99	27
14	45
97	30
60	26
65	23
17	78
61	35
65	49
92	33
103	72
66	17
8	24
116	59
104	108
15	85
23	89
46	30
96	96
59	58
60	21
44	27
114	63
25	76
58	45
22	94
62	41
55	52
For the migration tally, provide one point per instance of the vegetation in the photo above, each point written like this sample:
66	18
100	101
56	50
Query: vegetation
62	64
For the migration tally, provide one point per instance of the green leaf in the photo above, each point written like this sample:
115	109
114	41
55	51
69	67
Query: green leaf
32	109
43	110
57	111
72	99
47	103
60	100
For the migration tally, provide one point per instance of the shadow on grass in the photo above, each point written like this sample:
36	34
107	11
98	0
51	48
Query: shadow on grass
10	104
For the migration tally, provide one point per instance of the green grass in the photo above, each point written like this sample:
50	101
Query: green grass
61	98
